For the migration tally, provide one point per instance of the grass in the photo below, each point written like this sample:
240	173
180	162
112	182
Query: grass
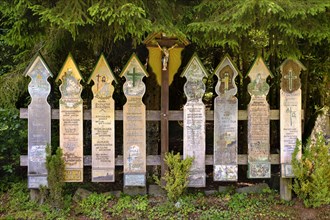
15	204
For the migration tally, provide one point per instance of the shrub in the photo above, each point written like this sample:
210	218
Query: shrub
176	177
55	167
312	172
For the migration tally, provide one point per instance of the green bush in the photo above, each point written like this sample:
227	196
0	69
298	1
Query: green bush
13	139
312	173
176	177
55	167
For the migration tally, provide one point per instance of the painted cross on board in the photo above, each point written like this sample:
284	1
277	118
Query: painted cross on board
290	77
226	81
98	81
133	75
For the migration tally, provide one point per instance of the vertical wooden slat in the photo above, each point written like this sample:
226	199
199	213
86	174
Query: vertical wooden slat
285	188
164	118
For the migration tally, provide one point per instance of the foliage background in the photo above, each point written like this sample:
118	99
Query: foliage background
274	29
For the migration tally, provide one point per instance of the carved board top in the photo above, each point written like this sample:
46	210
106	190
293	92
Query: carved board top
102	69
194	69
259	70
134	72
69	66
38	66
226	72
290	70
133	63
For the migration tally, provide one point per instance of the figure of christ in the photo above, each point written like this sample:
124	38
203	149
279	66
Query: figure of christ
166	55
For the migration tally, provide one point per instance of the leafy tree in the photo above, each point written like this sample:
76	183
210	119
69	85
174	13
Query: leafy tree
13	139
275	29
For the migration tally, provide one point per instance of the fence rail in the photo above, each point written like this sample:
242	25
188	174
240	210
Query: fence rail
155	115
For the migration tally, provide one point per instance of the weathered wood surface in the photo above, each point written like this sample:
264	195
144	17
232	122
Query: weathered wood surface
103	123
134	124
153	115
39	122
194	137
71	120
225	123
154	160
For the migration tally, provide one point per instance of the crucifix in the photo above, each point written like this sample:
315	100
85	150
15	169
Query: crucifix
134	76
226	81
290	77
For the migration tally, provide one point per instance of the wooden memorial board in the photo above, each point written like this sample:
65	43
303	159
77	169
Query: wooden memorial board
39	122
134	119
71	120
194	121
258	122
103	123
290	113
225	123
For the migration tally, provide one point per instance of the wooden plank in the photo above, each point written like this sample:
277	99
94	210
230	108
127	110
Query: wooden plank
154	160
285	189
164	139
154	115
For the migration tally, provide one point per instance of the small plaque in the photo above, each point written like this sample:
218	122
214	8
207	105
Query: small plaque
103	175
194	121
287	171
73	175
197	179
134	179
258	122
259	170
35	182
225	173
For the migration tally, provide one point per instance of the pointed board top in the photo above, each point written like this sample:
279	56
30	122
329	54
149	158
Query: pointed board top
194	68
290	71
259	68
227	61
37	59
103	67
226	72
133	62
292	60
69	64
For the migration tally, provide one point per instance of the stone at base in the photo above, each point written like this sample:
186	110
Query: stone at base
210	192
135	190
155	190
225	189
35	195
116	193
81	194
258	188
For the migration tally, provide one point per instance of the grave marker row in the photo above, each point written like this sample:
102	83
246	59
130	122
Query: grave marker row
134	121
